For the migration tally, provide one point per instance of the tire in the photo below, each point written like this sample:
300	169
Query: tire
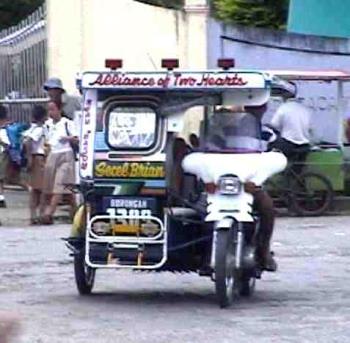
225	281
247	285
84	275
307	201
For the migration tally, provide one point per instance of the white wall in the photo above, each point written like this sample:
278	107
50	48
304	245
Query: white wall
83	33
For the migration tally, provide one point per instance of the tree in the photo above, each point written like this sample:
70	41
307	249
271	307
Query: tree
13	11
258	13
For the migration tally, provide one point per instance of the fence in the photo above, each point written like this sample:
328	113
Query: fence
23	56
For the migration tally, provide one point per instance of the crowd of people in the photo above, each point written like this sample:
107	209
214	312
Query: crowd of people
45	149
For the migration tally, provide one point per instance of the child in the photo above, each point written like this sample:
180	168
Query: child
4	143
34	142
60	164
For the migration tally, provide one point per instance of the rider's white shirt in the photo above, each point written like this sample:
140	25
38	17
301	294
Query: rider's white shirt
236	130
293	121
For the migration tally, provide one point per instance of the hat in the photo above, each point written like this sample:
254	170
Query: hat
53	82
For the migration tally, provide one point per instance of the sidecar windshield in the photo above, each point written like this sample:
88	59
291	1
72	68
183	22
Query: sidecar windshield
233	131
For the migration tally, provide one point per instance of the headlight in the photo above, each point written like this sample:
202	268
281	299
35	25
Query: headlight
101	228
229	185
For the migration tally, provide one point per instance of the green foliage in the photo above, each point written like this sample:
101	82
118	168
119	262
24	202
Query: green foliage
258	13
13	11
177	4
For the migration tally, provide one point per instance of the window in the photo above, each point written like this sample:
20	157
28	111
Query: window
131	128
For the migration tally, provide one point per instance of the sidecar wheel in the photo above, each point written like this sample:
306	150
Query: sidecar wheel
84	275
225	280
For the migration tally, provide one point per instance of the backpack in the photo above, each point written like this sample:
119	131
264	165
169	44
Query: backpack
16	149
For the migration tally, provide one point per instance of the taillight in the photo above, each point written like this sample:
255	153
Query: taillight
113	64
170	63
101	228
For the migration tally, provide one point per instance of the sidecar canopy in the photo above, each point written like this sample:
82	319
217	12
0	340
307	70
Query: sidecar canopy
226	87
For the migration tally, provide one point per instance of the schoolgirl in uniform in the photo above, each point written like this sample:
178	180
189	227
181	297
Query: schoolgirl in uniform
34	141
60	163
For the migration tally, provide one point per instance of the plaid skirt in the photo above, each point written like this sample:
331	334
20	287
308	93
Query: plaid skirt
59	171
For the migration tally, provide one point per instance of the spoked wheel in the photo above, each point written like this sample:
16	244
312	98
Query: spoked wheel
312	194
225	278
84	275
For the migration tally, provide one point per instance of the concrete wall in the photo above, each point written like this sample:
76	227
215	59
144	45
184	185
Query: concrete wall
265	49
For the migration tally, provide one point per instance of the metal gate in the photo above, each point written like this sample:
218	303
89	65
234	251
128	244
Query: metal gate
23	56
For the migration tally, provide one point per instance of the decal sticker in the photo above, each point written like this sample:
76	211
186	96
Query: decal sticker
132	170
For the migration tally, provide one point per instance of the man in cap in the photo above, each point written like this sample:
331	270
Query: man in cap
56	92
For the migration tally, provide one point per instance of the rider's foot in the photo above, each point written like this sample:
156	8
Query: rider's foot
270	264
205	271
2	201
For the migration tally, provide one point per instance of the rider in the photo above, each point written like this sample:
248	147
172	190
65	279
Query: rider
247	140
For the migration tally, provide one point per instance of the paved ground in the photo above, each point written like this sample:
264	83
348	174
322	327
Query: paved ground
306	301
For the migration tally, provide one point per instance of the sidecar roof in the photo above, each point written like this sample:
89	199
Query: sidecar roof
239	87
312	75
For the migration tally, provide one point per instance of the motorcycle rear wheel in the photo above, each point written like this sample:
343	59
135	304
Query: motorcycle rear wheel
225	278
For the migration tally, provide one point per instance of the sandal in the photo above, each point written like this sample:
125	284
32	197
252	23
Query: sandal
34	221
46	220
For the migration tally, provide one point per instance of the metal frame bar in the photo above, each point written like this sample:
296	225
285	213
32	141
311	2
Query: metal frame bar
132	243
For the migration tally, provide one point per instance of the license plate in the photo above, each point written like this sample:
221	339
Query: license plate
129	203
128	211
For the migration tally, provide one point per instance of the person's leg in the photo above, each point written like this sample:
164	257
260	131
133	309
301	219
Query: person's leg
72	204
32	205
55	199
35	206
3	166
2	196
264	205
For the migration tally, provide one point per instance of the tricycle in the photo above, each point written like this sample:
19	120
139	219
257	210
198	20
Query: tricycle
154	202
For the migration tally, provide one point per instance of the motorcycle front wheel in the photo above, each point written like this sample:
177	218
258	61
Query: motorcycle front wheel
225	280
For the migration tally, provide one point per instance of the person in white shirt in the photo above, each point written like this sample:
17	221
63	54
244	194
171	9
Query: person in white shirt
292	120
59	168
34	142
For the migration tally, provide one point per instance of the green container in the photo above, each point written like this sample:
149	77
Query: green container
328	162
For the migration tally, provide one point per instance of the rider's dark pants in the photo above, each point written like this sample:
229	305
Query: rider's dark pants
295	153
264	205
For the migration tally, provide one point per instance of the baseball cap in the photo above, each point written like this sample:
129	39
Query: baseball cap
53	82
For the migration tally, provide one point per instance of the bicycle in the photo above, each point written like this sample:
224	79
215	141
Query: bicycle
304	193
